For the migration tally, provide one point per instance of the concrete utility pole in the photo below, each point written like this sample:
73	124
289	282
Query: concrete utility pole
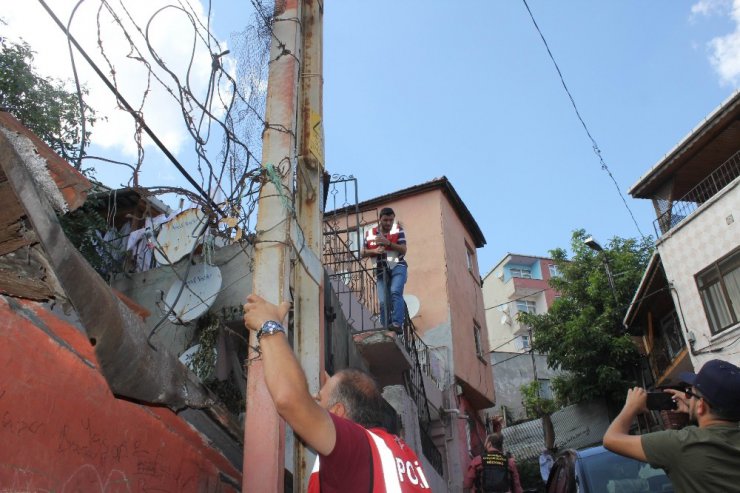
308	236
293	147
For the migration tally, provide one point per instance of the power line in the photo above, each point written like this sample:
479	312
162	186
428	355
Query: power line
511	357
595	146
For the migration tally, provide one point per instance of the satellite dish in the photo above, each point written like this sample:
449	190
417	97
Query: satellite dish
412	304
179	236
201	288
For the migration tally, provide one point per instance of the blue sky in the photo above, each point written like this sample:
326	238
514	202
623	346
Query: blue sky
414	90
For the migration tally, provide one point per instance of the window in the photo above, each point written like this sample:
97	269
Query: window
478	341
522	342
554	272
523	272
719	287
545	388
469	257
671	332
526	306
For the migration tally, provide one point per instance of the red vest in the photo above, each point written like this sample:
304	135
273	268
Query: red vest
396	468
392	257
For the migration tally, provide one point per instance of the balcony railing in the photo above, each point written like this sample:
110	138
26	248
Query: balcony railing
706	189
344	265
431	452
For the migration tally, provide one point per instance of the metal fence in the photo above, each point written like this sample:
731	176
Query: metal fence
706	189
575	427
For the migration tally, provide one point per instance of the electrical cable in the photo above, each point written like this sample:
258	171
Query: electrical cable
595	147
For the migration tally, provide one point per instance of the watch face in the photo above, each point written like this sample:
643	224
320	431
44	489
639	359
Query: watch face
270	327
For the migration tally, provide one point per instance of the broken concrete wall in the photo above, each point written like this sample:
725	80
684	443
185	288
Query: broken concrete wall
63	430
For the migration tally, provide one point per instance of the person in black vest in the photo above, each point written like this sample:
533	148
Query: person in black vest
493	471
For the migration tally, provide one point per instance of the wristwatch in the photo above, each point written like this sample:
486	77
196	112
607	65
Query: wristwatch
269	328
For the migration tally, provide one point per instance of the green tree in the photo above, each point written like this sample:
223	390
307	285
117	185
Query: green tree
537	406
42	104
582	332
534	404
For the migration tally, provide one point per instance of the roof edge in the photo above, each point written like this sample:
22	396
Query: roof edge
438	183
709	121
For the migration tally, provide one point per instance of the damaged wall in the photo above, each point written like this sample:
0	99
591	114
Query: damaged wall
62	429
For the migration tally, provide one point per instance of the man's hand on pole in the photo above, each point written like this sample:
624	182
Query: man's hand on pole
257	311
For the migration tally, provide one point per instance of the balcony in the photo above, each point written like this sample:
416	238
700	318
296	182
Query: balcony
707	188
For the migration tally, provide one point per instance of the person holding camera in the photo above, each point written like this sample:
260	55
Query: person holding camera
705	457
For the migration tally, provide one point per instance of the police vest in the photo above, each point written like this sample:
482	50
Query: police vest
396	468
391	257
494	474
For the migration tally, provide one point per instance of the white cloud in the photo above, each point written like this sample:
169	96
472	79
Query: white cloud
709	7
724	51
171	35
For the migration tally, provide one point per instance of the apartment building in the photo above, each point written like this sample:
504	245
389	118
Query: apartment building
687	308
517	284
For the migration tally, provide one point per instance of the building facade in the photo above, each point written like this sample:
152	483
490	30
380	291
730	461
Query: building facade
517	284
695	190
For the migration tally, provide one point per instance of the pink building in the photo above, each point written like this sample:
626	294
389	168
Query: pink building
445	303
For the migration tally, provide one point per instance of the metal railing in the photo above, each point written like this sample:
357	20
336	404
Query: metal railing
345	265
414	377
706	189
431	452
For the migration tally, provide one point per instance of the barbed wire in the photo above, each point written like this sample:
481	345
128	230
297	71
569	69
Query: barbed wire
230	108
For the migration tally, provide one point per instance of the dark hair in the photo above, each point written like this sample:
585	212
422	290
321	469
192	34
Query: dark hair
386	211
495	440
359	393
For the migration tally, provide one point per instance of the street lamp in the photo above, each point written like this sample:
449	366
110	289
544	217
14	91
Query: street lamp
595	246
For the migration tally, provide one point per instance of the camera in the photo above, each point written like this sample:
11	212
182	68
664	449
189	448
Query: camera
660	401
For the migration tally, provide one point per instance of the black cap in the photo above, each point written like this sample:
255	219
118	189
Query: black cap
719	383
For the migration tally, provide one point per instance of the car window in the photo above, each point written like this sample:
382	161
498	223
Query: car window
613	473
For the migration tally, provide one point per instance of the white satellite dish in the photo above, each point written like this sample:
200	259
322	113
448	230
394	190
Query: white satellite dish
412	304
201	288
179	236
